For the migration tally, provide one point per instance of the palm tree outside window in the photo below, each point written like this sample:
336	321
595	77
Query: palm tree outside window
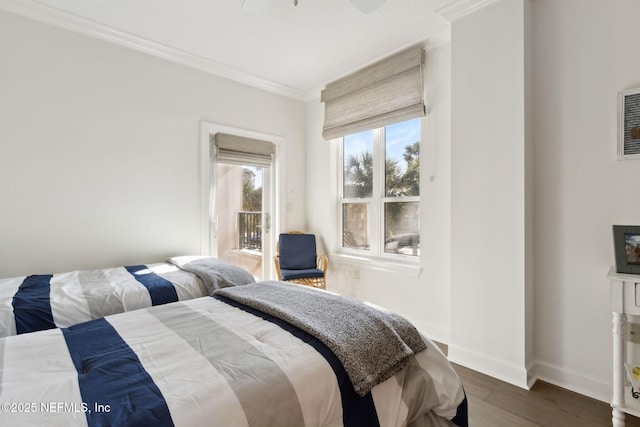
381	190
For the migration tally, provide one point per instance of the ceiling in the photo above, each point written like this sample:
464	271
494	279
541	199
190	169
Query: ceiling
287	49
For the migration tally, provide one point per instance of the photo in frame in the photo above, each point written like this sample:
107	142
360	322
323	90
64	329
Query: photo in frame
629	124
626	245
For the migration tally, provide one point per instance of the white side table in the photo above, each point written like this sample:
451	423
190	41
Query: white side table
625	299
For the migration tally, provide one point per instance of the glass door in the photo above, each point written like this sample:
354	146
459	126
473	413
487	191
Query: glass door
242	216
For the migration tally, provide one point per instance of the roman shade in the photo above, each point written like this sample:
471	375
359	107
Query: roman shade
389	91
239	150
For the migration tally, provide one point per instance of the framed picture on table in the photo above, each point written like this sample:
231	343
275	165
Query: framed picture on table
626	245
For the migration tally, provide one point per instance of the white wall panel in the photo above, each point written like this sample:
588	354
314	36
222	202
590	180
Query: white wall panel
100	146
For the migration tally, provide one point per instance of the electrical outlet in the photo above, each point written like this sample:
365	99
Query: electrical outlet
354	273
633	332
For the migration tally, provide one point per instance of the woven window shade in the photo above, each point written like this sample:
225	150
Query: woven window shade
386	92
238	150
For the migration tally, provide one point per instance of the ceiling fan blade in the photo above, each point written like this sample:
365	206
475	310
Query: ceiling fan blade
254	5
367	6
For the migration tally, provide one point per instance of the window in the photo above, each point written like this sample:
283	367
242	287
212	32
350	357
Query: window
380	191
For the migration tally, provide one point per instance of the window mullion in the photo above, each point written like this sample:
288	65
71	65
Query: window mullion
401	199
377	215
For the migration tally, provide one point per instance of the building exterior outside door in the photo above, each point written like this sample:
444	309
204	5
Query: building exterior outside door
242	217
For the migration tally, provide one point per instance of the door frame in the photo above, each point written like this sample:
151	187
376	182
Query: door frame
208	170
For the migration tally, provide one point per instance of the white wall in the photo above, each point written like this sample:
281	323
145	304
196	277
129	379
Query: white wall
488	208
585	52
562	197
99	149
425	300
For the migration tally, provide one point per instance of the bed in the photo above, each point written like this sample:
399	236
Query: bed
46	301
264	354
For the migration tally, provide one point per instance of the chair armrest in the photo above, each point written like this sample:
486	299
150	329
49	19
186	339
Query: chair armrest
322	263
276	261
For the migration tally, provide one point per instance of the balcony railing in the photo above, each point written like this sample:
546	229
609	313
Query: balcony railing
250	230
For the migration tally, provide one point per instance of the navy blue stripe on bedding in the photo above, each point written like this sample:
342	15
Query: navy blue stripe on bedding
110	373
462	414
160	289
356	411
32	304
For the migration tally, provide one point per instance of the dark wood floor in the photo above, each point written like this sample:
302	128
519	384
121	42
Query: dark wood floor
493	403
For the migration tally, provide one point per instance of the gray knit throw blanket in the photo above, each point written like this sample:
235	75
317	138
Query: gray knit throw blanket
215	273
372	343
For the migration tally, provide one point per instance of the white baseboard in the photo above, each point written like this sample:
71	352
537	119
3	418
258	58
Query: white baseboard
491	366
525	377
573	380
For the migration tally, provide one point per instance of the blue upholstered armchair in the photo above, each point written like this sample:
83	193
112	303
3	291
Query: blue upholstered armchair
297	261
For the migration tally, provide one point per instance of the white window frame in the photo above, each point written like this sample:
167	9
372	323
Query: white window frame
375	257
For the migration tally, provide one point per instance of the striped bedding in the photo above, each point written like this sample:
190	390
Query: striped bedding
45	301
206	362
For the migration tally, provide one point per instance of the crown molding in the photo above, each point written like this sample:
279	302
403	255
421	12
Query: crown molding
461	8
440	39
56	17
78	24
